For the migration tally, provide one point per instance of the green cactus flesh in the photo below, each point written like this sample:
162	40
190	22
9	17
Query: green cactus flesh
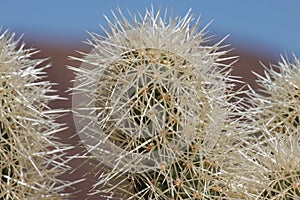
181	182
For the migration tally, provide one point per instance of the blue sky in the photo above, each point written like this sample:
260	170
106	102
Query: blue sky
266	25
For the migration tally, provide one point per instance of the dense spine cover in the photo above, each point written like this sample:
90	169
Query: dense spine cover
271	159
30	156
155	105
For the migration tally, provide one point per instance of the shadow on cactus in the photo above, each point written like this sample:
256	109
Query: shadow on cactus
151	102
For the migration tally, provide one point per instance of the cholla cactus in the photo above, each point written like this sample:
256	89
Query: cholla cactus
272	161
279	109
272	167
29	163
152	104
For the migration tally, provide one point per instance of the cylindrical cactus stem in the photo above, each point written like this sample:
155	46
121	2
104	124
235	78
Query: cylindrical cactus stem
277	106
152	103
271	160
30	156
275	167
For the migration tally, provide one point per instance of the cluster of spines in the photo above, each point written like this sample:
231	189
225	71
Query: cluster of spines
30	156
272	158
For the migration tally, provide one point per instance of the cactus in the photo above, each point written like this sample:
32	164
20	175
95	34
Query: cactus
279	105
152	103
271	161
29	159
271	168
